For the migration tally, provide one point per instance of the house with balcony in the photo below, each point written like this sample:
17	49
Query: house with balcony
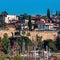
46	25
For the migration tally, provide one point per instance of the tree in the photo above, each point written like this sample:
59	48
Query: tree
38	15
21	40
5	42
48	13
23	32
28	34
52	46
4	13
0	47
18	57
39	41
27	41
23	17
2	56
58	41
30	23
50	43
2	24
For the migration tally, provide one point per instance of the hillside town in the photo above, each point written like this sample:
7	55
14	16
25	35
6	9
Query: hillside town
33	37
38	22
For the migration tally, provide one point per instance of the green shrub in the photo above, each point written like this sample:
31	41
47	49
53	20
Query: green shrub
28	34
23	32
2	56
18	57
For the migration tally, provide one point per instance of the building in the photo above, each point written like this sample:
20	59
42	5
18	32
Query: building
11	18
18	25
47	26
9	27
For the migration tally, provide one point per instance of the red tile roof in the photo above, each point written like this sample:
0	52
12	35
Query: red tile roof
40	22
47	23
9	26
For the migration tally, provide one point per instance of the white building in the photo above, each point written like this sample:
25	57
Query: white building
47	26
11	18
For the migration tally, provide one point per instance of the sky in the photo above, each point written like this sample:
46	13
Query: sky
32	7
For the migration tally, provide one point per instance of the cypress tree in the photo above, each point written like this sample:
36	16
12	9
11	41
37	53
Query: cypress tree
48	13
30	23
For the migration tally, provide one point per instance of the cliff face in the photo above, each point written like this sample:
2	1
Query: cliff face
45	34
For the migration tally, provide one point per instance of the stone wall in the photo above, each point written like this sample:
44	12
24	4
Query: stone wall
9	32
45	34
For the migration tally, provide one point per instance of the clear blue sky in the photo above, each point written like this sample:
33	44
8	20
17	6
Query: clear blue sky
29	6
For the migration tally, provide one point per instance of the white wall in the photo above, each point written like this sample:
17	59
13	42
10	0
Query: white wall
10	18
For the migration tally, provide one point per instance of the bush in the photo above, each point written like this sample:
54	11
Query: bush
18	57
2	56
28	34
23	32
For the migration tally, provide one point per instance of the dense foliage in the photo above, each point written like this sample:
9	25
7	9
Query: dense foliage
5	41
18	57
51	44
21	40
